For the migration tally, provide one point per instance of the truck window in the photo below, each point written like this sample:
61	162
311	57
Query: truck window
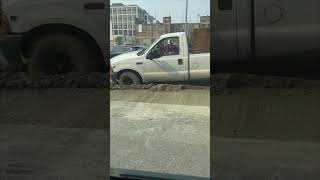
168	46
225	4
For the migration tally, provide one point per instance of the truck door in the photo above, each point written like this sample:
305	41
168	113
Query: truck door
224	29
286	27
171	66
232	29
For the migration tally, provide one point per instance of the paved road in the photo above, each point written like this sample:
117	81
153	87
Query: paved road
165	138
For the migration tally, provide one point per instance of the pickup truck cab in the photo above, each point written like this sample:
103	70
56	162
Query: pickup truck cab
167	60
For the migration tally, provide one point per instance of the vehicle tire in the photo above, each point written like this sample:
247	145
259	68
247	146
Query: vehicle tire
129	78
61	53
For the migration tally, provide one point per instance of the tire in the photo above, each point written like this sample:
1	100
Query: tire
129	78
61	53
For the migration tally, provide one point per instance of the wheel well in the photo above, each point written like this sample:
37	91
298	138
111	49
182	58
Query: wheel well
34	34
129	70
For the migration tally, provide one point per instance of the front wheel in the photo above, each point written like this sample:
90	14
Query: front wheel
61	53
129	78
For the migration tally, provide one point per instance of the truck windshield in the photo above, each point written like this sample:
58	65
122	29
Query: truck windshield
144	50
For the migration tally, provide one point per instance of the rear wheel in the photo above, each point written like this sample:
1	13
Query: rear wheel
129	78
61	53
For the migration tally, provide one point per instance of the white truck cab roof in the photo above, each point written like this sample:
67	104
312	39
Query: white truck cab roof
172	34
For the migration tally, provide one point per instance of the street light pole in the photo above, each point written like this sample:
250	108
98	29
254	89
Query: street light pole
186	20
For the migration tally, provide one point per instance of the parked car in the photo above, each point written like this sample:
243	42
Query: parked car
166	60
117	50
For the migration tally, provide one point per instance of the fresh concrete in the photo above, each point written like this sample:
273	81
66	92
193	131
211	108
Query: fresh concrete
165	138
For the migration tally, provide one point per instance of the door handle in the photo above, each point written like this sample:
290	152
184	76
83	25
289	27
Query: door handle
180	62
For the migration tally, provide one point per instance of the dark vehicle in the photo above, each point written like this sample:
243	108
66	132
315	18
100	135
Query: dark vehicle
117	50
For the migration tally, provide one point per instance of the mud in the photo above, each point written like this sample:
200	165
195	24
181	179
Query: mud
190	97
224	83
21	80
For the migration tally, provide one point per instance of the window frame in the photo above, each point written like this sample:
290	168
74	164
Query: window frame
166	39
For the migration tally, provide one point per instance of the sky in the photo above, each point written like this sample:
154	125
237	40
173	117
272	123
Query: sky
175	8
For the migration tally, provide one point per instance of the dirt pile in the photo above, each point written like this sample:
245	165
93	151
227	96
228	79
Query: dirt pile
222	82
219	82
160	87
72	80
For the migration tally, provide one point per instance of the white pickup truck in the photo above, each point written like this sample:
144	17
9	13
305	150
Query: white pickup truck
167	60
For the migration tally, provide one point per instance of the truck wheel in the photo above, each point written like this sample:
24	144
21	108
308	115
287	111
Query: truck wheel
129	78
60	54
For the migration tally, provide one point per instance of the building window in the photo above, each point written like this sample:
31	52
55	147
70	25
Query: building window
120	32
115	26
115	32
130	33
119	10
125	32
133	32
125	26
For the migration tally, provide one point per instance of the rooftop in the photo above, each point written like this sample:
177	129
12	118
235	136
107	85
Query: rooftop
120	4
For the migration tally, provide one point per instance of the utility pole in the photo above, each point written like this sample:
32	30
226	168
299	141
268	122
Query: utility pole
186	20
189	78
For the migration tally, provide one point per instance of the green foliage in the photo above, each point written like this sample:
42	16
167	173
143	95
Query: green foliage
119	40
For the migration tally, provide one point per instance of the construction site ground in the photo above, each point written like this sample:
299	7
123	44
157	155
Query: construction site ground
60	128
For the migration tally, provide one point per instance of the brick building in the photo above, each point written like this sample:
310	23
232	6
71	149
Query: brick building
147	33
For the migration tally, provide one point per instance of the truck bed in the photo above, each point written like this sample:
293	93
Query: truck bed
200	66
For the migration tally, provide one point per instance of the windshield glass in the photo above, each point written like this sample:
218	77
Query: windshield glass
144	50
159	120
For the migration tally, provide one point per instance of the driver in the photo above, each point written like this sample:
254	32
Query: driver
172	49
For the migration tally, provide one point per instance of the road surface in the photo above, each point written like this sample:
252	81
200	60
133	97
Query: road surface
167	132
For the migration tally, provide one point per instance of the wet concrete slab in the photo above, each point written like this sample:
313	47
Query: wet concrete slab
165	138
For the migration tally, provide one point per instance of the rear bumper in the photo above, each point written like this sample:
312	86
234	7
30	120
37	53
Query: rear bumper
10	49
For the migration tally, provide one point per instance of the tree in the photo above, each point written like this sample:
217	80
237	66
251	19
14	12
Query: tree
119	40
